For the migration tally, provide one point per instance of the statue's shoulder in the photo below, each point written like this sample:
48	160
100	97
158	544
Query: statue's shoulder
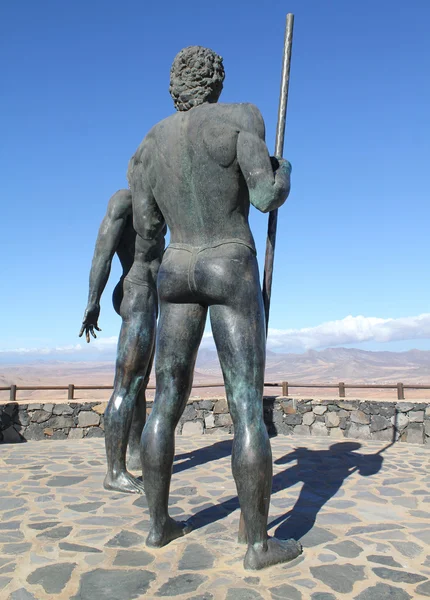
142	149
162	127
121	198
156	133
146	150
245	115
240	108
120	204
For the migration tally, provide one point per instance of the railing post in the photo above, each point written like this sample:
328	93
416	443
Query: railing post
13	392
341	389
71	393
285	388
400	392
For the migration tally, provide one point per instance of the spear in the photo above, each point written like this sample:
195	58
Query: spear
279	149
273	215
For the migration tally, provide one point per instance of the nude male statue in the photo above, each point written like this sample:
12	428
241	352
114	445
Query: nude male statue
198	171
135	300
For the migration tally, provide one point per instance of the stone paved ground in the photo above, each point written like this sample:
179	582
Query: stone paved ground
363	517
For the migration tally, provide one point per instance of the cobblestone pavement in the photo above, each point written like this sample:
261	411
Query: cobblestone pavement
361	511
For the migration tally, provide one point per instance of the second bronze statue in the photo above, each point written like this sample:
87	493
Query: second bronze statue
135	299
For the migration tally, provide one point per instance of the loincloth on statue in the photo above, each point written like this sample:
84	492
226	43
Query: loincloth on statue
190	272
198	249
140	276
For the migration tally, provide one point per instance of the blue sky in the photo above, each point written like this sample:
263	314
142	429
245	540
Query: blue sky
82	84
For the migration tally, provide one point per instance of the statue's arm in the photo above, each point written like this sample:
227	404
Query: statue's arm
148	220
108	238
151	252
267	178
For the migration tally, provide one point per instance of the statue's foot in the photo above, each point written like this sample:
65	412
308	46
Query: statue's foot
123	482
134	463
160	536
278	551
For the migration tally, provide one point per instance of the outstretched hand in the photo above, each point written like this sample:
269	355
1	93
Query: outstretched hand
90	321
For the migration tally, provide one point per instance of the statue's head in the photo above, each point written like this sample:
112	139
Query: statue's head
196	76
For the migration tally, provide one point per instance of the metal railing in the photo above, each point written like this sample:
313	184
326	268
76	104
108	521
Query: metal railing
341	386
284	385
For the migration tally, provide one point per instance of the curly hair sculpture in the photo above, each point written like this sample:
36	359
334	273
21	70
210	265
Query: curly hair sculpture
196	76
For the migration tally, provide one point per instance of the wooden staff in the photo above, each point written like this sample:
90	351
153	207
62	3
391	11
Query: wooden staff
279	149
273	215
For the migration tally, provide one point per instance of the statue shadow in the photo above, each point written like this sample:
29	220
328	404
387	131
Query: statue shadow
322	473
201	456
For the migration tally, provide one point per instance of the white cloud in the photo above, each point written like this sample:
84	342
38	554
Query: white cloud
103	344
99	345
350	330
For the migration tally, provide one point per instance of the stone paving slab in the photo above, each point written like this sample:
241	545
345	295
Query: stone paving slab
361	511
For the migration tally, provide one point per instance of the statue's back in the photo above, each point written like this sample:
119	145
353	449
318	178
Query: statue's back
195	177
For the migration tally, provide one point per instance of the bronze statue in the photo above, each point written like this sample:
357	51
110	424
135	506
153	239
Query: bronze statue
135	300
198	171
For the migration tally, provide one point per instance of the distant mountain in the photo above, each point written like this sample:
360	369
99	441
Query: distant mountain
325	366
337	364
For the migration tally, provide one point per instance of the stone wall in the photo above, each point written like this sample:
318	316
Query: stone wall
363	420
75	420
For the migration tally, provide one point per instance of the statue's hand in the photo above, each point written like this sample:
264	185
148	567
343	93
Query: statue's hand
280	163
90	321
370	465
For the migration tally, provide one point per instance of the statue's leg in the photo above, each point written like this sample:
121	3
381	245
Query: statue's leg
139	413
135	347
139	418
239	333
179	334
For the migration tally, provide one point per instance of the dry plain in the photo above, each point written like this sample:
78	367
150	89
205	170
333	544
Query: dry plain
325	367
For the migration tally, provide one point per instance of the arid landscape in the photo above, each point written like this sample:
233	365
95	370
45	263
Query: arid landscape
327	366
